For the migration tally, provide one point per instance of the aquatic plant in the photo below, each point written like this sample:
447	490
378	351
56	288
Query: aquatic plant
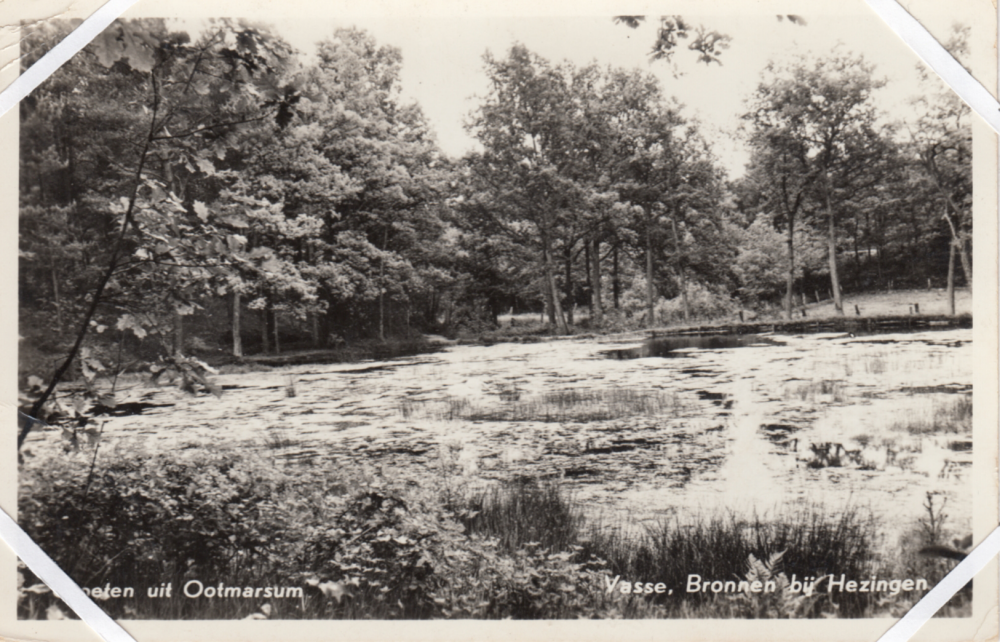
953	415
810	391
555	406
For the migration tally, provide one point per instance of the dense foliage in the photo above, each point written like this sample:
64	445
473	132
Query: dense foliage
416	545
188	197
191	199
362	547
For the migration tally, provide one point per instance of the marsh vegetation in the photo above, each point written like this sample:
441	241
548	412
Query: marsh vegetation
546	468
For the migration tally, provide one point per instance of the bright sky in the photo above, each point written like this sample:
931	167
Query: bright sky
443	69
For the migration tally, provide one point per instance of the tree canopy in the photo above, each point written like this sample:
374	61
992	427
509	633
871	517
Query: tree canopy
189	199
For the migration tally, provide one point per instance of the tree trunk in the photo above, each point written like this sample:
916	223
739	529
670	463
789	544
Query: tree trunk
550	277
681	279
838	303
381	303
857	259
381	288
650	292
950	206
178	333
790	276
616	289
684	296
879	249
951	278
596	313
570	302
549	306
314	330
56	298
265	338
277	344
431	313
960	243
236	329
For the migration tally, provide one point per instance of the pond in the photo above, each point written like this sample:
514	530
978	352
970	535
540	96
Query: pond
754	423
679	346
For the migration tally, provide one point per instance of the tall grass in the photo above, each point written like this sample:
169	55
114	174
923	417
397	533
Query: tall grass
811	390
557	406
952	416
933	529
876	363
525	511
810	541
813	541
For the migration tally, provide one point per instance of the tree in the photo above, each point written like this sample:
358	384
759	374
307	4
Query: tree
699	246
492	270
707	44
574	156
760	276
816	145
526	132
604	105
660	169
160	111
780	175
382	218
942	146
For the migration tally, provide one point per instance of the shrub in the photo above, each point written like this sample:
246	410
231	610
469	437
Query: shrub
384	550
781	603
362	548
703	303
152	516
621	321
931	531
529	583
406	547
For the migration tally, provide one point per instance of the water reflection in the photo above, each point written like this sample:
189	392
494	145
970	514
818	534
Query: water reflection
677	346
739	428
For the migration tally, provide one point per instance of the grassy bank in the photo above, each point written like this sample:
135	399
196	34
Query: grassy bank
881	308
340	544
40	354
39	358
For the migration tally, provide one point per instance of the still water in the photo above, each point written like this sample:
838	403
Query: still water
681	346
735	424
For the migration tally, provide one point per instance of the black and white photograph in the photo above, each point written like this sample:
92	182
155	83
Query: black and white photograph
335	314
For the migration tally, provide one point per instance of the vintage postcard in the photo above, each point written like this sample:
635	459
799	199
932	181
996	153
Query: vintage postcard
428	321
